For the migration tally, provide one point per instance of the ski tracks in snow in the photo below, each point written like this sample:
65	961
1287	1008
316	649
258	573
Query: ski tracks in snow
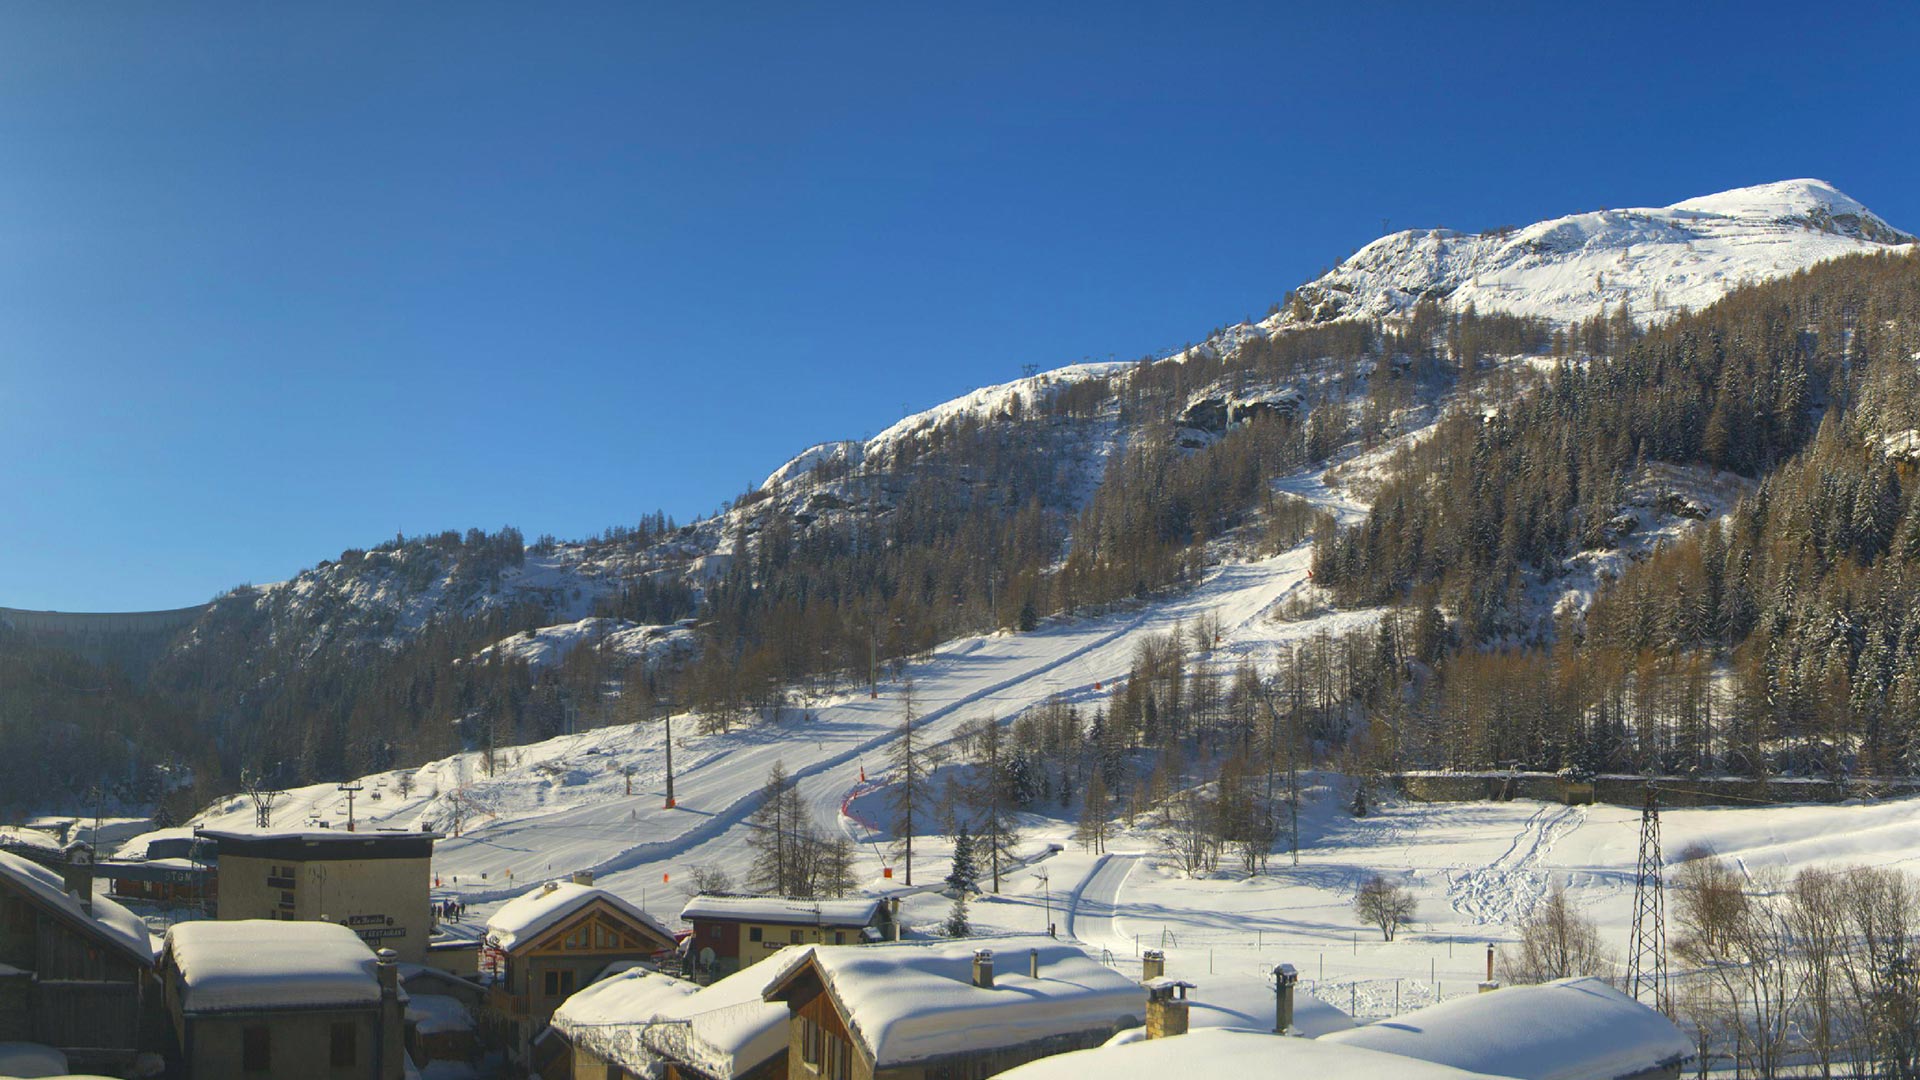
1507	889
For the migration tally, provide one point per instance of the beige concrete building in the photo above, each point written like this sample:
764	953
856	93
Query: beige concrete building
306	1001
375	883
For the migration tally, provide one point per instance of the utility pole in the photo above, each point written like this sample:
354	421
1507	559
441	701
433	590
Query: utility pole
350	790
669	722
1647	957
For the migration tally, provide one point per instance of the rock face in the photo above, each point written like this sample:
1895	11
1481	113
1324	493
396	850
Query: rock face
1654	260
1212	411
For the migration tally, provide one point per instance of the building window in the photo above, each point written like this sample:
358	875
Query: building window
256	1048
793	937
810	1039
714	933
559	983
345	1051
753	933
839	937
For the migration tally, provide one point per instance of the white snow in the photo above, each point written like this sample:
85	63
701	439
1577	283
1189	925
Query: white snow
15	836
438	1014
1229	1053
813	457
112	922
1572	1029
639	1017
534	912
1247	1003
775	909
1656	260
914	1001
268	964
25	1059
550	645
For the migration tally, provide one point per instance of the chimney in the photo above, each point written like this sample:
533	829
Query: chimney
1153	964
1166	1007
893	917
1489	961
583	877
1033	963
1284	978
983	968
76	876
390	1040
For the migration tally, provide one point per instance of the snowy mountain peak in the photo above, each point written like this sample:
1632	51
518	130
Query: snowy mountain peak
1654	260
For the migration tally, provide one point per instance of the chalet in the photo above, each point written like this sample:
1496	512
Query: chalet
266	998
734	932
375	883
644	1023
76	971
1570	1029
546	944
938	1009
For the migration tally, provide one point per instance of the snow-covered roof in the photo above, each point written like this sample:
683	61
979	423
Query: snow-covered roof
250	964
639	1017
532	913
776	909
915	1001
1572	1029
108	921
17	836
1225	1052
436	1014
1242	1001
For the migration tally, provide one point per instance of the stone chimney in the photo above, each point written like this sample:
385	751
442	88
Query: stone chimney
1166	1007
1153	964
390	1049
1033	963
76	876
1284	978
983	968
583	877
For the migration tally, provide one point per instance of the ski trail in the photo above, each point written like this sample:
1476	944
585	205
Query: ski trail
1507	888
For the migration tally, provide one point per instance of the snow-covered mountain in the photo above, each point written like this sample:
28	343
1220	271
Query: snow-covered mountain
1656	261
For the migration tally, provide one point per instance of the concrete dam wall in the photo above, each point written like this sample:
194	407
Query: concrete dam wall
130	640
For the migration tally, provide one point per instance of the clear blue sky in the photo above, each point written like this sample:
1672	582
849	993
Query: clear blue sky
276	281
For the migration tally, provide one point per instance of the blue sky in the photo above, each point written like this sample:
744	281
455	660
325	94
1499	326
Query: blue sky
279	280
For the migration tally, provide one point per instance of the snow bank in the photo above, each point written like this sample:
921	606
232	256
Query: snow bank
109	920
1228	1053
24	1059
531	914
1572	1029
776	909
267	964
913	1001
638	1018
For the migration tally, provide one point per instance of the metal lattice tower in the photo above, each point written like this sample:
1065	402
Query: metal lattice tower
1647	957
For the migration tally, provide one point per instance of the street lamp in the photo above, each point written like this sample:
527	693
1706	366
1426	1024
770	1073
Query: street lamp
1046	893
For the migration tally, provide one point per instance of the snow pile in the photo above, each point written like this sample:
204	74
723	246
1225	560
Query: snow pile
108	920
438	1014
909	1002
639	1018
268	964
1228	1053
777	909
1572	1029
533	913
24	1059
1654	260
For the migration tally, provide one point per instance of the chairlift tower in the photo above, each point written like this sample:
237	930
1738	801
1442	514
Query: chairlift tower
350	790
1647	957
